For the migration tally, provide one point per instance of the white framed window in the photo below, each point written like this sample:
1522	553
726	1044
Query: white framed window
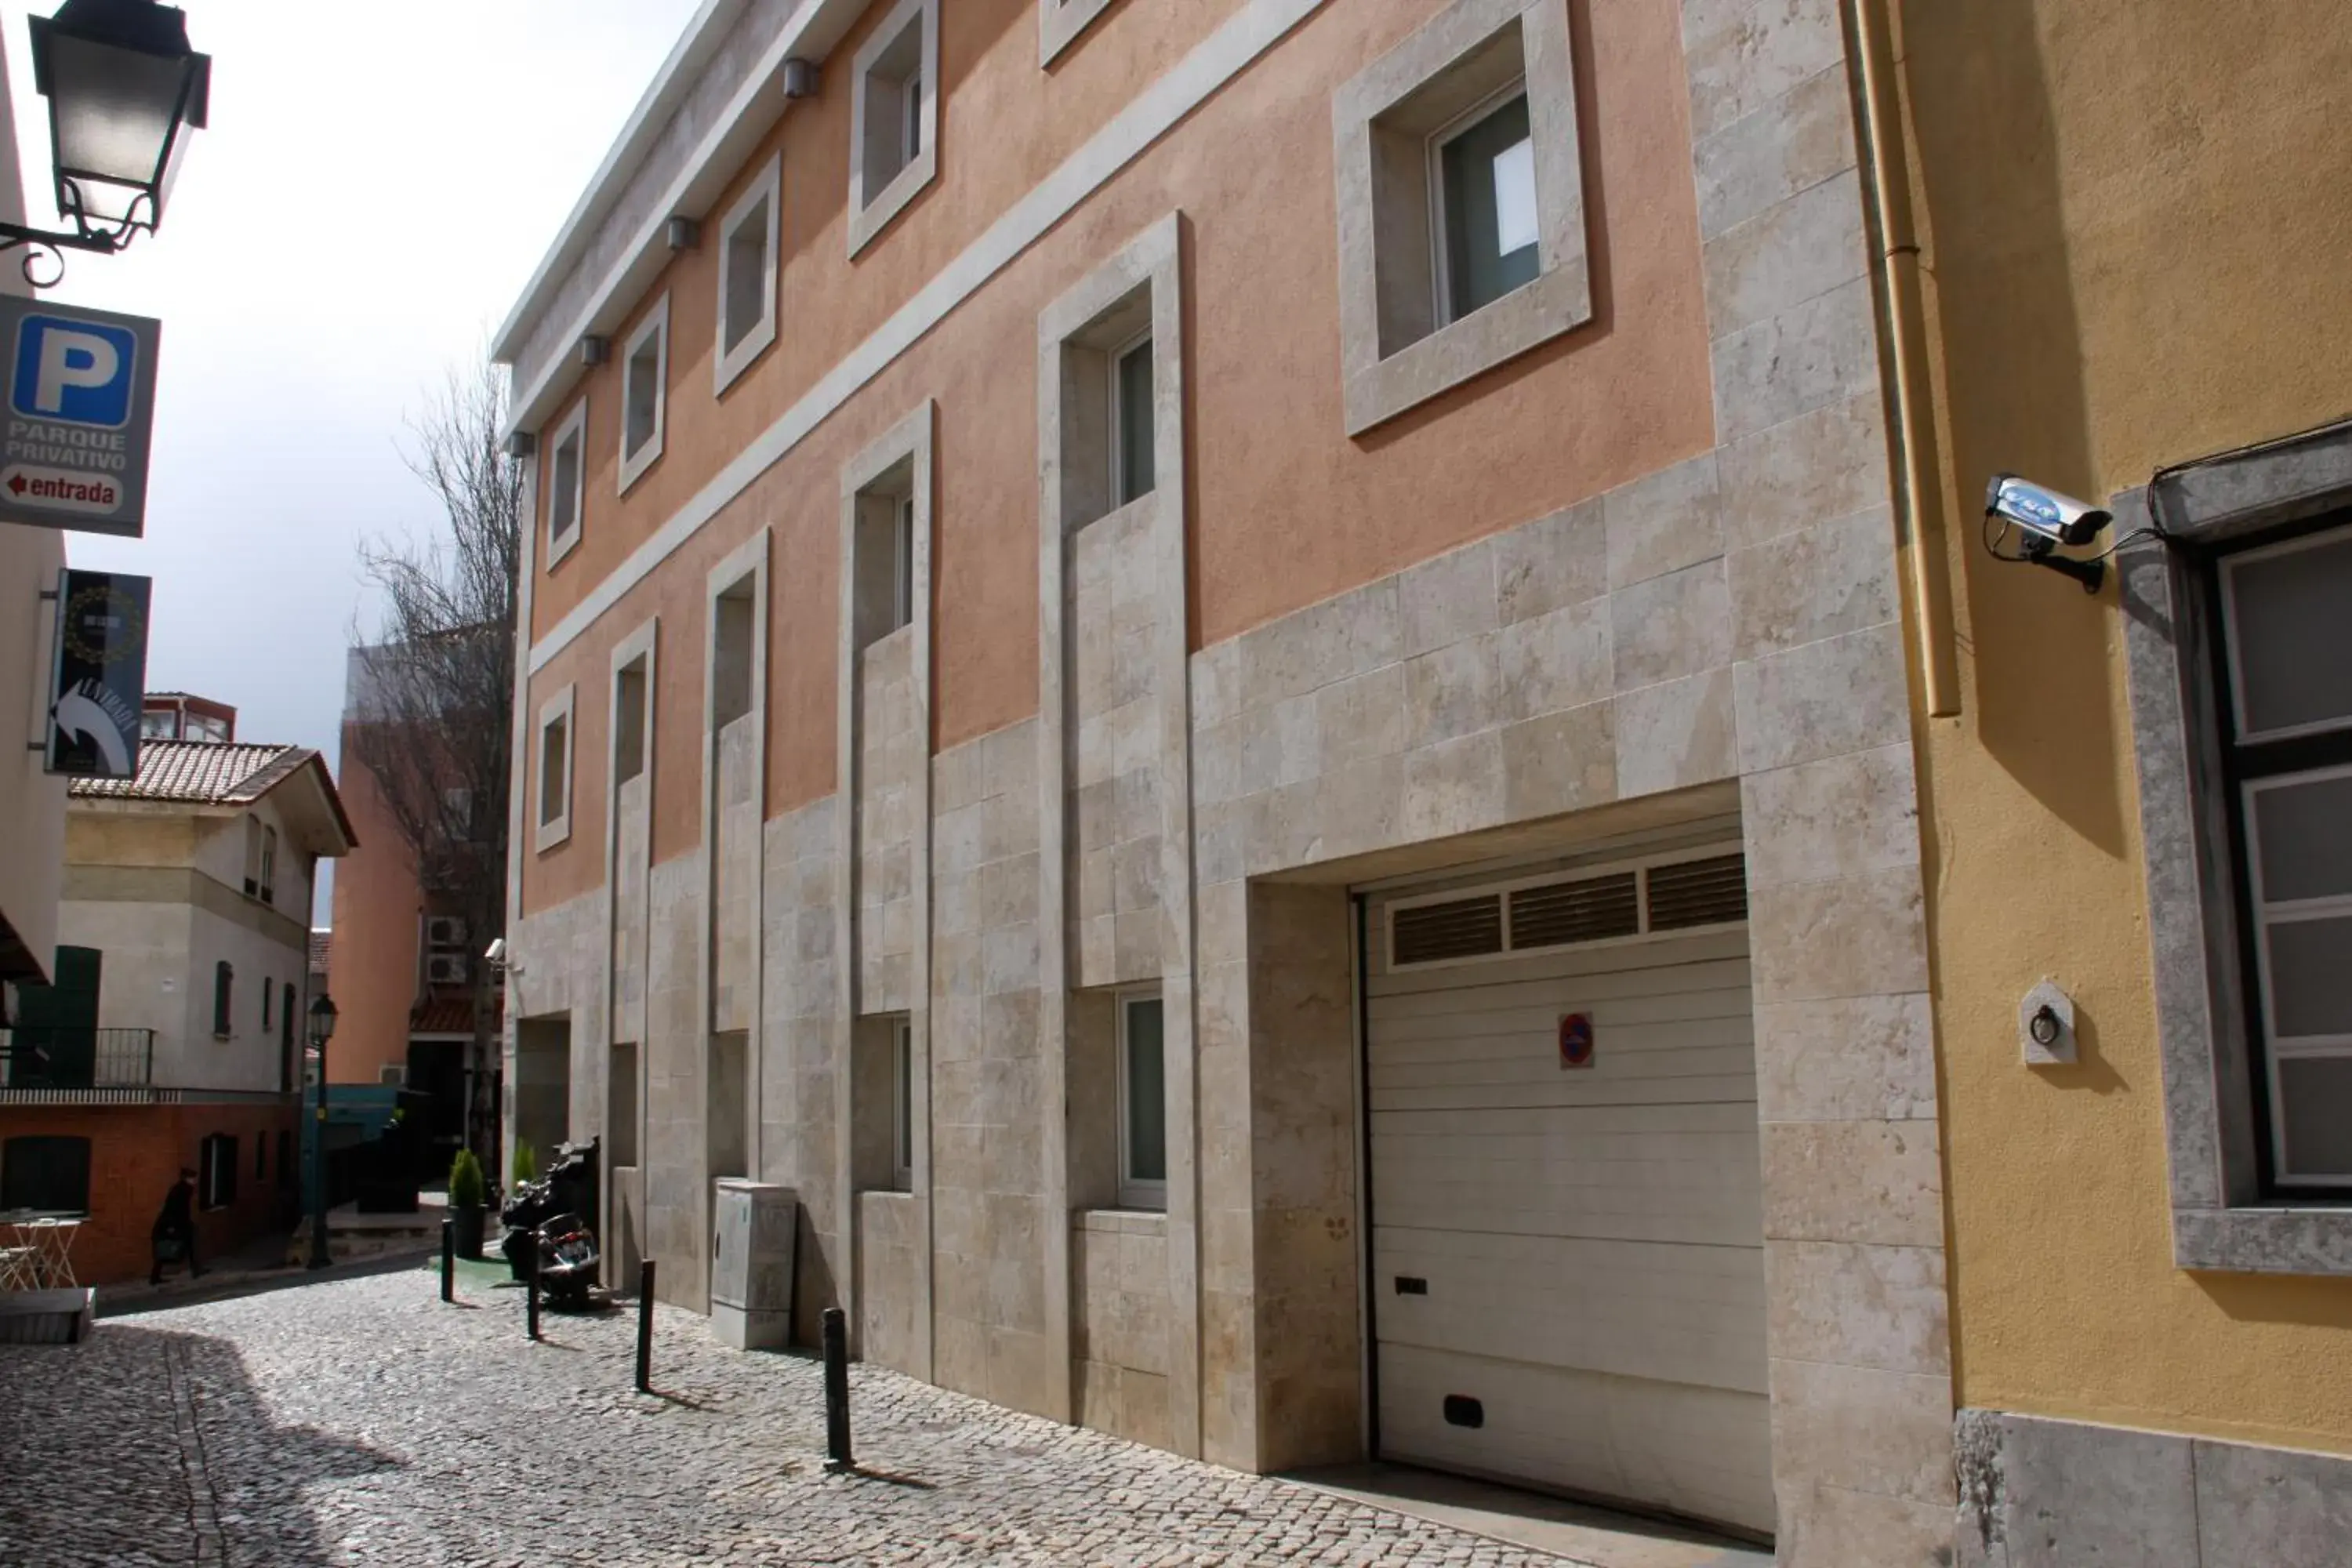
565	479
268	865
1132	429
1142	1101
1460	196
902	562
749	263
644	394
2288	748
902	1104
1482	185
216	1172
894	118
553	816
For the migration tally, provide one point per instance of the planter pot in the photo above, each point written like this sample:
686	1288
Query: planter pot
465	1225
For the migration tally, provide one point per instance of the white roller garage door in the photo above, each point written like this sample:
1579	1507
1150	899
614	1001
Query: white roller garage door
1568	1261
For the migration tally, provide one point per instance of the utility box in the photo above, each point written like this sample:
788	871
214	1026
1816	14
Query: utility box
754	1225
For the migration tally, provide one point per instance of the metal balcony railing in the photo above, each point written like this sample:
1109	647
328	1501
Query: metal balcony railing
41	1057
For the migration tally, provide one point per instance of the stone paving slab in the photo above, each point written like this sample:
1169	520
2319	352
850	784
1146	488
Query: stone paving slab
361	1421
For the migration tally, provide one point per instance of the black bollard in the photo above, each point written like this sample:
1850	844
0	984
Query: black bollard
646	1327
449	1262
836	1391
530	1298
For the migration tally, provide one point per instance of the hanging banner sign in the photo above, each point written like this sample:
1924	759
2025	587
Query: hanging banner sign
99	675
81	414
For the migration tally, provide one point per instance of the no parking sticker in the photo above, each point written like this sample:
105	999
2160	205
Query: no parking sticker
1575	1040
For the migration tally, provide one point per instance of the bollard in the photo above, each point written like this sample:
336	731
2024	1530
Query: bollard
449	1262
836	1391
530	1298
646	1327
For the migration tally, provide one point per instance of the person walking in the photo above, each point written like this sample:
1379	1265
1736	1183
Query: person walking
177	1224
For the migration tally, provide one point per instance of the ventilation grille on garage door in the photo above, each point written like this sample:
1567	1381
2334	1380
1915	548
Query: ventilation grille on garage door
1684	895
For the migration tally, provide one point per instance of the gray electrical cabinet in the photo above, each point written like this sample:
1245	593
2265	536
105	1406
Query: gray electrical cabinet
753	1227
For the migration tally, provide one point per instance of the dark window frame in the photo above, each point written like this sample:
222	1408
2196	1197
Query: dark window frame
10	1198
224	1000
216	1172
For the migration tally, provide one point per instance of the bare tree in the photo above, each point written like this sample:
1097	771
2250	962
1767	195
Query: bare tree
433	719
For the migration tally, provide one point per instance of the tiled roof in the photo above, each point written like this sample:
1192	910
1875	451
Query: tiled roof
321	941
451	1014
198	772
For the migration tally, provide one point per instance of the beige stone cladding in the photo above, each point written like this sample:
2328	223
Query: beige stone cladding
988	1187
801	1001
1118	1337
675	1052
891	759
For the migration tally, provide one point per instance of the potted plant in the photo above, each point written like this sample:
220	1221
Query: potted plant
466	1199
525	1164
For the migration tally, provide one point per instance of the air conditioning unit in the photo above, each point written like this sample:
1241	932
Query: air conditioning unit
444	930
394	1077
448	969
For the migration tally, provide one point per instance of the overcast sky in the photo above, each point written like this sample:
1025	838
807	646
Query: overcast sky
375	188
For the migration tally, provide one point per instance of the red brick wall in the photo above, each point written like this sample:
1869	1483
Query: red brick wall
136	1154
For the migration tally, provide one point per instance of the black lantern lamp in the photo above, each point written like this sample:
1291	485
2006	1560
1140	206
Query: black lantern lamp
124	92
322	1030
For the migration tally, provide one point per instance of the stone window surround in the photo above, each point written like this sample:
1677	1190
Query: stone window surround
2220	1220
573	427
655	323
869	218
641	646
1383	207
548	831
1134	1196
1149	268
1059	22
910	444
727	365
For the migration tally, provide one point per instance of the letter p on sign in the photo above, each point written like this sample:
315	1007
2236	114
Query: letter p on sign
73	372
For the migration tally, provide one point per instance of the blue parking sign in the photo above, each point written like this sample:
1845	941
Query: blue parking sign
80	417
74	371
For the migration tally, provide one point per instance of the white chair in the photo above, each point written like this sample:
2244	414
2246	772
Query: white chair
20	1268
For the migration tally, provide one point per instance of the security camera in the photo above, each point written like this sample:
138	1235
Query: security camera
2038	509
498	953
2049	518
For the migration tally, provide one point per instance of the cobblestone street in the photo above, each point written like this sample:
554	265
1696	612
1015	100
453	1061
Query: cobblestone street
363	1421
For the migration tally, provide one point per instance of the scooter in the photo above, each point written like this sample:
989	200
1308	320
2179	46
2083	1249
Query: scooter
567	1263
567	1190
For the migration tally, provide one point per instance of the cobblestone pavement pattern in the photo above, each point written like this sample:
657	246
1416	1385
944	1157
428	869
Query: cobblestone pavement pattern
362	1421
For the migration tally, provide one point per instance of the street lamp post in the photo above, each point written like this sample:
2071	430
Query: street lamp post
322	1030
124	91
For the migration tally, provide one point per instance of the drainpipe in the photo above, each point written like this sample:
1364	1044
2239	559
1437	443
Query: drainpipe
1920	497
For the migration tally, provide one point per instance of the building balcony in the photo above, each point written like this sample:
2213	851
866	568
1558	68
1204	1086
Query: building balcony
49	1059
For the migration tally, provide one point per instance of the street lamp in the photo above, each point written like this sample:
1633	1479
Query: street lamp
124	91
322	1030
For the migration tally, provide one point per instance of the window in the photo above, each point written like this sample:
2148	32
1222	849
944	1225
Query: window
902	1104
47	1176
734	651
1142	1103
286	1014
629	699
567	458
161	724
902	562
1059	22
216	1172
224	987
267	995
644	394
2287	759
1460	196
1131	454
748	240
269	864
206	727
894	112
1483	180
260	1160
555	812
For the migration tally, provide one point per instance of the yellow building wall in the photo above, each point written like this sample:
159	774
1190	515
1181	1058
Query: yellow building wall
2137	231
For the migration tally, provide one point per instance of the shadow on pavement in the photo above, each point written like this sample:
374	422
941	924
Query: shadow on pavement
142	1445
233	1289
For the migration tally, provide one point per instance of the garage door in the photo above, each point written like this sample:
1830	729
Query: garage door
1567	1222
